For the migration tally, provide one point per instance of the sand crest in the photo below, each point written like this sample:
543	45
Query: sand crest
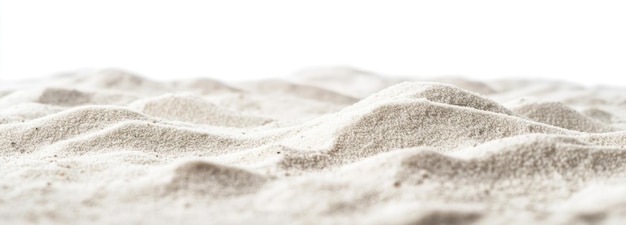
324	146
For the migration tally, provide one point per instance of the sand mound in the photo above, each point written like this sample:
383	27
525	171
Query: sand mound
412	124
193	109
275	106
466	84
106	147
113	78
29	136
153	137
345	80
437	92
117	80
525	158
409	115
279	87
64	97
558	114
206	86
214	180
599	115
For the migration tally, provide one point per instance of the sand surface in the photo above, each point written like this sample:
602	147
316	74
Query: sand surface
323	146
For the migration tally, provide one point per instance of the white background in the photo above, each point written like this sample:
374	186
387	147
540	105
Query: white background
584	41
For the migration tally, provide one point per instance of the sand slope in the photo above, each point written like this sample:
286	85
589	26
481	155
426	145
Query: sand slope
327	146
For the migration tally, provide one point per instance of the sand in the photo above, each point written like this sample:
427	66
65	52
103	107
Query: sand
323	146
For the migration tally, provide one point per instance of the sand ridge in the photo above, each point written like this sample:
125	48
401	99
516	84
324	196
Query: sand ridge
326	146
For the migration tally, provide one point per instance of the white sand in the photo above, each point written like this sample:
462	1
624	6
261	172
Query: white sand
327	146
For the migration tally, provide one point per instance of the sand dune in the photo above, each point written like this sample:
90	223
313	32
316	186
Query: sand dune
325	146
194	109
115	79
558	114
599	114
362	83
279	87
206	86
211	181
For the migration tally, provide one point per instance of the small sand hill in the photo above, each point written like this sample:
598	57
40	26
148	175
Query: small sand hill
277	107
65	97
31	135
113	79
285	88
558	114
437	92
346	80
599	115
207	179
405	115
155	137
467	84
206	86
194	109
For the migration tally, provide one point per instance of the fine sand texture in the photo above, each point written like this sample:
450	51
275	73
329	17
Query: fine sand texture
322	146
